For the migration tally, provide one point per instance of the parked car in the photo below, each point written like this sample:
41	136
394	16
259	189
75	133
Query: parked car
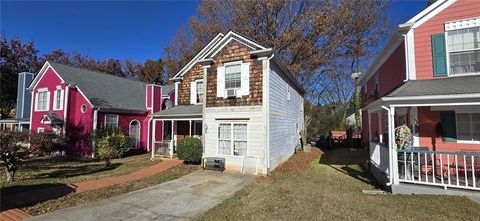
313	139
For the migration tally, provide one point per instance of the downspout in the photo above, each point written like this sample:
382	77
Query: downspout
65	107
407	68
390	147
148	133
267	116
95	120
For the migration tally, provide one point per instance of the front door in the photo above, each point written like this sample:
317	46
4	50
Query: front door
134	132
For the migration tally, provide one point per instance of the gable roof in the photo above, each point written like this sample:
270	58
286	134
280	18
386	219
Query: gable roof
104	91
197	57
403	28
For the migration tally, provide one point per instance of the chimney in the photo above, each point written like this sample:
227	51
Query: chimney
24	96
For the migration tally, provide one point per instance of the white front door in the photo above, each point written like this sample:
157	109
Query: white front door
134	132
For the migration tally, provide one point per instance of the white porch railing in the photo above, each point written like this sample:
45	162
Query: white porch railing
446	169
162	149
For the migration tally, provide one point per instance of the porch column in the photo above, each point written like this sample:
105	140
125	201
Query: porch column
369	115
153	139
172	141
190	128
393	146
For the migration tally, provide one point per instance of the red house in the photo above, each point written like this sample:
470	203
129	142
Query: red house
427	77
74	102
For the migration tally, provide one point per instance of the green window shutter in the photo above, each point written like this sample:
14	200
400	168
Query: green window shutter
449	126
439	54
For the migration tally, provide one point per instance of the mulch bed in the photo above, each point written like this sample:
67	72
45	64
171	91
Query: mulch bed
298	163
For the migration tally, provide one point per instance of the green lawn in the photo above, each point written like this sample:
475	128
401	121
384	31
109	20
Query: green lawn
40	172
331	189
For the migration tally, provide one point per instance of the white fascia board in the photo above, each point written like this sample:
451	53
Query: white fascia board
212	43
431	11
432	97
41	73
231	35
425	11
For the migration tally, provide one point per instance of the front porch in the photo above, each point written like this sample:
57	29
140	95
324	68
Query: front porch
444	156
173	125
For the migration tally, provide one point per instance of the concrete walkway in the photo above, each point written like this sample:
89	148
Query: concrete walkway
181	199
41	195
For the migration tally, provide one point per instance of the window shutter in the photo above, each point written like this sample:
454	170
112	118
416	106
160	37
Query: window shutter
48	100
221	81
449	126
245	79
36	101
439	55
193	92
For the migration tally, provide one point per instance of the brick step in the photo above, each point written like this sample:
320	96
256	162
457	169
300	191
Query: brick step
13	215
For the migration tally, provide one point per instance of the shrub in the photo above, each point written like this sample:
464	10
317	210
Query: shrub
111	143
14	148
190	150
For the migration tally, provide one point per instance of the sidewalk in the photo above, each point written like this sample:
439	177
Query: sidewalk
30	197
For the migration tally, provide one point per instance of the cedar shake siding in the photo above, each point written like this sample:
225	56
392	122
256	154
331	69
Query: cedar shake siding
436	25
235	51
195	73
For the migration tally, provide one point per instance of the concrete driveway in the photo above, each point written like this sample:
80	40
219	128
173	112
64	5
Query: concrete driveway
180	199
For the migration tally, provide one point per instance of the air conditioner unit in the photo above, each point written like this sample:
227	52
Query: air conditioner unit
231	93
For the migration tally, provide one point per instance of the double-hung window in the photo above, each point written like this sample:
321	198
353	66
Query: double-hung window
464	50
468	126
233	74
58	97
199	87
42	100
232	139
111	120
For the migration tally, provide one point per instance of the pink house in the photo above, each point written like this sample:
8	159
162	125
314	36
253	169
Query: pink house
427	77
74	102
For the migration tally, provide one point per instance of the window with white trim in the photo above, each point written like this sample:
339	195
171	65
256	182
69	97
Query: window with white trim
232	139
111	120
40	130
42	101
468	126
199	90
58	95
233	73
464	50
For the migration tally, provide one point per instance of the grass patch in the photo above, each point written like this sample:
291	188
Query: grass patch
107	192
331	189
68	170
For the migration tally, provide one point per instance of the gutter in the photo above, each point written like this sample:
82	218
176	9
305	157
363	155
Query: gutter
407	68
65	107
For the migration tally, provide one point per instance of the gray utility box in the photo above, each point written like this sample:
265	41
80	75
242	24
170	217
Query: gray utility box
214	163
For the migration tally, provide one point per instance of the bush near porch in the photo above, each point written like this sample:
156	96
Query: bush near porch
190	150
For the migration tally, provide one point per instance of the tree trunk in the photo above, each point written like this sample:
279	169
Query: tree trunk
10	174
107	162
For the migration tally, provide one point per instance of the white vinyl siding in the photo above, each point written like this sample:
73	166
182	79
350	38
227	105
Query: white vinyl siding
42	100
464	50
111	120
285	118
468	126
250	149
